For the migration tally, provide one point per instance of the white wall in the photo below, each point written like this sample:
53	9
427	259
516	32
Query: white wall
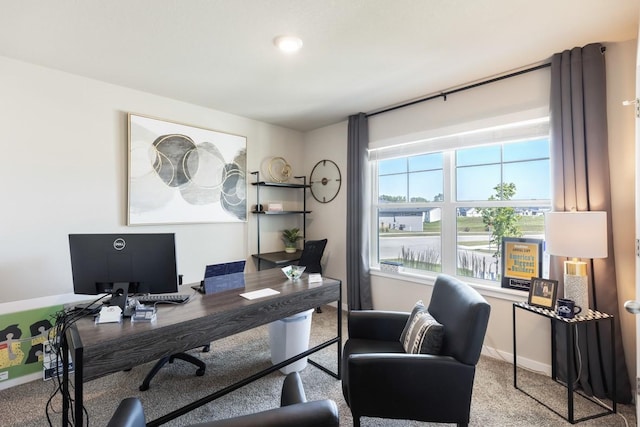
525	92
522	93
328	220
621	75
64	145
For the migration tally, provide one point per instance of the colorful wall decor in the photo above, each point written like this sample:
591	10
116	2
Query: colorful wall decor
22	336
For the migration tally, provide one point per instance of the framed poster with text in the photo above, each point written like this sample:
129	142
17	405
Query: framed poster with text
521	261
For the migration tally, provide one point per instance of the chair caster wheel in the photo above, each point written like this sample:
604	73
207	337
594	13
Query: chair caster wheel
200	372
143	387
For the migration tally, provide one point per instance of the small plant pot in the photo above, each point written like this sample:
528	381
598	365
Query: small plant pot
290	250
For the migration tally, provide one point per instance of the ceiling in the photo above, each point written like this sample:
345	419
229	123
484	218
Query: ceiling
358	55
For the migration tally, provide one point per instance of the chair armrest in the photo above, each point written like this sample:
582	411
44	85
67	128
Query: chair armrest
319	413
292	390
129	413
377	324
407	382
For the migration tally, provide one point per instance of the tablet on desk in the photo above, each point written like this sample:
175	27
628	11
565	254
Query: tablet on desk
222	277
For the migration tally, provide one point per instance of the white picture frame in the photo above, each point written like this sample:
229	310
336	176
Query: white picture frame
181	174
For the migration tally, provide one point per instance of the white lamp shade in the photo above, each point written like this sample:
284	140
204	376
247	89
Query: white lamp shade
576	234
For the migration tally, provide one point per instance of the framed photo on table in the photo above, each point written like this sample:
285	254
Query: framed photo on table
521	260
543	293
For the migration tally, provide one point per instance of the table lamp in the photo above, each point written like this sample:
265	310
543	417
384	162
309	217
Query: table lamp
576	235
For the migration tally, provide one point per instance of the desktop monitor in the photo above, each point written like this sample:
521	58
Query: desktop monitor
144	263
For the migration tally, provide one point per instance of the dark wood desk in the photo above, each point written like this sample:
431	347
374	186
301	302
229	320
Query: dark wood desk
98	350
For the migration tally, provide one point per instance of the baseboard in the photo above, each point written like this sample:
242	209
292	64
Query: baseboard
20	380
523	362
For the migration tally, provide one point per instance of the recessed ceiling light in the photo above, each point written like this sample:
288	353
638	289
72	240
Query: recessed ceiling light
288	44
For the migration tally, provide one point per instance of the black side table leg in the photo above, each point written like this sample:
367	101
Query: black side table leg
554	351
570	370
515	357
614	395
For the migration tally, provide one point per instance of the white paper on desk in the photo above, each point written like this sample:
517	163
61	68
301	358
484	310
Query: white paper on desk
315	277
260	293
110	314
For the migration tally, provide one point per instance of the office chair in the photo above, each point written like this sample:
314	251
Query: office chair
169	359
294	411
311	257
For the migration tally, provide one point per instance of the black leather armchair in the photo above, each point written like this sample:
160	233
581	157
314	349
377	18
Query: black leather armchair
381	380
294	411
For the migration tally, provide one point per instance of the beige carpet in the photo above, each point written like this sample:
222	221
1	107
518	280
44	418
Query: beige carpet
495	401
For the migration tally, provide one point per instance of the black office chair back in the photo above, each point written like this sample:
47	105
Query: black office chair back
312	254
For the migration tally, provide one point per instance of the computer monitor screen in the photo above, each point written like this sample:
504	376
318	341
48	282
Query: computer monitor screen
146	262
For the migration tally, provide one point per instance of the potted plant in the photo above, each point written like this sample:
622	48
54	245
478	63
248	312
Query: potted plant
290	238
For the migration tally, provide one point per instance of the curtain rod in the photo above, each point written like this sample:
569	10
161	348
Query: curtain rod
444	94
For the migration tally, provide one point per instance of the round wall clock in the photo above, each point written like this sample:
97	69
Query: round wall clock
325	181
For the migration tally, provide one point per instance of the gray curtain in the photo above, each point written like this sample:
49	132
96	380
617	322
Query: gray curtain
580	181
358	280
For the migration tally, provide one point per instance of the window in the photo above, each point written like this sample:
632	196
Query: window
446	210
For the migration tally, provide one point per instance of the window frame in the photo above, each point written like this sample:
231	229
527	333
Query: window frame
449	205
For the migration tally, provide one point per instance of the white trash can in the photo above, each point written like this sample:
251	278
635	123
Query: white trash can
289	337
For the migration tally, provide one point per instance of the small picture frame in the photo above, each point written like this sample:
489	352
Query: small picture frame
542	293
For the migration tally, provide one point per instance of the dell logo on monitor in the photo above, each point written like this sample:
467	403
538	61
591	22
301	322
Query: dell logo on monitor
119	244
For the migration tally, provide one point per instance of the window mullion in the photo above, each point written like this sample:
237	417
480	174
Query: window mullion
448	230
375	235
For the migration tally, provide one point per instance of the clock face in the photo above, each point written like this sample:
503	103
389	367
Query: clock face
325	181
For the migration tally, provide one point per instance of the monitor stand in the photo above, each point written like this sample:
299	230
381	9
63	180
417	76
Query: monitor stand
119	296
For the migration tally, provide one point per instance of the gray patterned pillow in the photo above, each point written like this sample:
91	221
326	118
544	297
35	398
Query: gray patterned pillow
422	334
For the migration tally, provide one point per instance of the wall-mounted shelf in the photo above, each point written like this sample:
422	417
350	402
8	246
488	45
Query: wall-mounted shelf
280	184
280	258
280	212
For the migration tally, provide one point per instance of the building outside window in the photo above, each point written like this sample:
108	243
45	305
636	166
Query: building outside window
446	210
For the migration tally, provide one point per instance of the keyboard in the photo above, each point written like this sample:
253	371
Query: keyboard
163	298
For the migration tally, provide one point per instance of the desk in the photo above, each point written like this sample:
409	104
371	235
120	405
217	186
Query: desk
568	324
98	350
277	259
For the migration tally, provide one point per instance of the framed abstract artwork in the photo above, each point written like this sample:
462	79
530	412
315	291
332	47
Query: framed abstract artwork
181	174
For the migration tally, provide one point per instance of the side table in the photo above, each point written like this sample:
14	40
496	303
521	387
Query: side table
569	325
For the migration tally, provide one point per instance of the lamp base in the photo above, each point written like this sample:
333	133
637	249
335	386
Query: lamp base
576	288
